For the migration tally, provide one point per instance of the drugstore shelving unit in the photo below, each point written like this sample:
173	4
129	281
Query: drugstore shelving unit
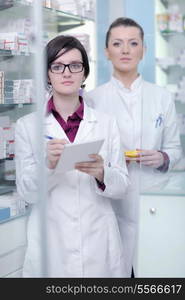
170	56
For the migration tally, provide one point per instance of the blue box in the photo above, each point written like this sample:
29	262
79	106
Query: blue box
4	213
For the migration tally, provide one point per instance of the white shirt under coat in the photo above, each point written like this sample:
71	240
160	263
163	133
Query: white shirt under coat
132	100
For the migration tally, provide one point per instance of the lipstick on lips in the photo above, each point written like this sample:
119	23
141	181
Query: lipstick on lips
67	82
125	59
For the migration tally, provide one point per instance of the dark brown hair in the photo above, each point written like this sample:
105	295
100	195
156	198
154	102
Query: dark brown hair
126	22
67	43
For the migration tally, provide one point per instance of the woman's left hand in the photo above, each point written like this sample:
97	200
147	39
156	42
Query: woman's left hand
94	168
151	158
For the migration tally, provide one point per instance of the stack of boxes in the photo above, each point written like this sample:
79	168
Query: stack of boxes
1	87
16	91
168	61
8	91
84	8
172	21
6	4
2	144
15	42
6	138
10	204
13	203
4	213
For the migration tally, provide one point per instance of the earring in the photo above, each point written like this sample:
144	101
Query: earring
83	85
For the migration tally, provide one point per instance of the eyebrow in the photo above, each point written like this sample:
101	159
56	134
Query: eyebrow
121	40
72	62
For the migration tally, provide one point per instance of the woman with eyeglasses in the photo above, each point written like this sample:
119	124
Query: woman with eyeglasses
83	238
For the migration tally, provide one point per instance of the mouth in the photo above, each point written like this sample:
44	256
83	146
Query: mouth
125	59
67	82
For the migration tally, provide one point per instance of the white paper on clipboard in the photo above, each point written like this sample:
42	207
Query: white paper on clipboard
74	153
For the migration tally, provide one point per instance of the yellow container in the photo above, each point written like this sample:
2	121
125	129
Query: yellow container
132	153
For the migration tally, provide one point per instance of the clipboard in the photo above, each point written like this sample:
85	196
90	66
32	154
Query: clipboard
74	153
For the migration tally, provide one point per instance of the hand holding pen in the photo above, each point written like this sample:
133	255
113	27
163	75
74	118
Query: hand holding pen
54	150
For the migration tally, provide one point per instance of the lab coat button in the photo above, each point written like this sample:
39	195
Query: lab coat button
75	219
153	210
76	252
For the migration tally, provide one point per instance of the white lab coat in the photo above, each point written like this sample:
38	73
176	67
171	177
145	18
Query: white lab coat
82	231
156	101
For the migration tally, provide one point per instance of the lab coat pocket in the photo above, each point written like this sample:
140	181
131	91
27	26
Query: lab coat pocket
106	157
158	121
156	127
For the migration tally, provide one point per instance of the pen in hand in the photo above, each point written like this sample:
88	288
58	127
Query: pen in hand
54	150
54	138
48	137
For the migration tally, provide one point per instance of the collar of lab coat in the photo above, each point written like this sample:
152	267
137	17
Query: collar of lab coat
136	84
53	128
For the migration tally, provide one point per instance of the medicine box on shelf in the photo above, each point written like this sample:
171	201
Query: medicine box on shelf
4	213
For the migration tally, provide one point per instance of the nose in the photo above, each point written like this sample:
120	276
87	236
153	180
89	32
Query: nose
125	48
66	71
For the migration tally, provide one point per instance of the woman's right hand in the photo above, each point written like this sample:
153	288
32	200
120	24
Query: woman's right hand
55	148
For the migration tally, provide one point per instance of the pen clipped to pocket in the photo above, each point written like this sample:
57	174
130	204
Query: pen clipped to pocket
48	137
159	120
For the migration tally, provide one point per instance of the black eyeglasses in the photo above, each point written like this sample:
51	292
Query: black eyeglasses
73	67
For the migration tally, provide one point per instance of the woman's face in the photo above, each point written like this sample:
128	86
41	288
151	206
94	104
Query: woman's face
67	83
125	49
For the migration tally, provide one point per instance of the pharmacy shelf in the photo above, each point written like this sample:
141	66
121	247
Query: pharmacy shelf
52	18
58	20
20	215
11	103
169	35
7	158
10	53
6	107
172	68
6	4
165	3
6	189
